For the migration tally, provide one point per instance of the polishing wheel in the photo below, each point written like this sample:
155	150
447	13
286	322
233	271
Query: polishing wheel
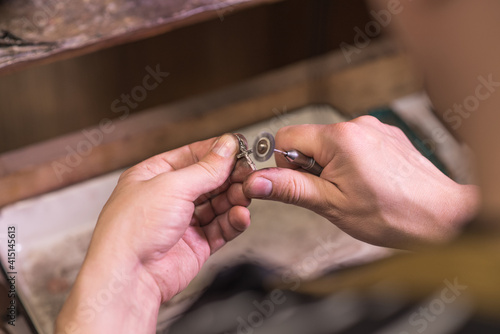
263	147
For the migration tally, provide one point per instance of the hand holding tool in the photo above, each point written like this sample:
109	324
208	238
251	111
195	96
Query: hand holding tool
302	160
264	147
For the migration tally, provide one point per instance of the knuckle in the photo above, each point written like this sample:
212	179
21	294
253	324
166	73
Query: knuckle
344	130
285	131
209	170
294	130
124	175
294	192
396	131
127	174
366	119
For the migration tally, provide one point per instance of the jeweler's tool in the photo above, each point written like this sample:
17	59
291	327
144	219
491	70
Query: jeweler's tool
264	147
302	160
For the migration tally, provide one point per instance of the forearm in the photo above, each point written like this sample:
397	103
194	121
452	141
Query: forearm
110	298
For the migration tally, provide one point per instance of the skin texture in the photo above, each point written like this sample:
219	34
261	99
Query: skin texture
166	216
375	185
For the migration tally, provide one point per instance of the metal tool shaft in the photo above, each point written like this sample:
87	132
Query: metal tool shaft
302	160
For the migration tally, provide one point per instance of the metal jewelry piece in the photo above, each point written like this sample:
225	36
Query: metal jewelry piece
245	152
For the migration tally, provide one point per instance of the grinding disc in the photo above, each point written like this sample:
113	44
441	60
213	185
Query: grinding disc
263	147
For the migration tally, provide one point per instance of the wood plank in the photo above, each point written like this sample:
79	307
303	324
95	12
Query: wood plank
377	79
55	30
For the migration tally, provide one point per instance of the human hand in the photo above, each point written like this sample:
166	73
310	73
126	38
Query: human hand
375	185
163	220
180	207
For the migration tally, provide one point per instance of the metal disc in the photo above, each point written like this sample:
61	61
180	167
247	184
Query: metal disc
263	147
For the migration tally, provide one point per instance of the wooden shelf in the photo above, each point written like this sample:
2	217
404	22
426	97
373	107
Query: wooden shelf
55	30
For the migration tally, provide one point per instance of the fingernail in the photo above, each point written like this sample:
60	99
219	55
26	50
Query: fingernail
260	188
225	146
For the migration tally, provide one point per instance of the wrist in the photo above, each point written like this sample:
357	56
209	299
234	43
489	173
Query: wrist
110	295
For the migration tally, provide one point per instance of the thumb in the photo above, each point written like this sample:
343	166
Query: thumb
211	171
293	187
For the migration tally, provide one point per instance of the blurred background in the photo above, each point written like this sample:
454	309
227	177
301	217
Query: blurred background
40	102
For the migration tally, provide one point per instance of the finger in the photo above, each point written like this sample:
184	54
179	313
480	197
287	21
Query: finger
206	212
241	171
235	177
307	138
177	159
209	173
234	196
203	214
186	155
214	193
226	227
293	187
170	161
